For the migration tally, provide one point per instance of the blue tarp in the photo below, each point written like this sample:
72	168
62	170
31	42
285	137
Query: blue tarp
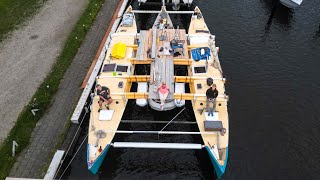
196	53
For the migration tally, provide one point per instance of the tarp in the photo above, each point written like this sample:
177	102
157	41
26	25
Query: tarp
196	53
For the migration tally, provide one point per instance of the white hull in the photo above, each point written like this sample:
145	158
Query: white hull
291	3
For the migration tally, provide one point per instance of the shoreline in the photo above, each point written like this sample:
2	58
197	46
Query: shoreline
46	98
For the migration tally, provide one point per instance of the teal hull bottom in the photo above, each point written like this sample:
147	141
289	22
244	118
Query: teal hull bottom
217	167
94	166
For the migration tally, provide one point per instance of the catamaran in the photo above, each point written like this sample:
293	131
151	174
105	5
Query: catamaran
164	47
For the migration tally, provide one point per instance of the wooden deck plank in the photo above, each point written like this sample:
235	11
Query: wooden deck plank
141	47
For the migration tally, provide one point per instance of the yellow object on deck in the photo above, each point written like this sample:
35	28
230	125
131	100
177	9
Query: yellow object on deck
119	50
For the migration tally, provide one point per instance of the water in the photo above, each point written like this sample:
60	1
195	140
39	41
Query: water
270	56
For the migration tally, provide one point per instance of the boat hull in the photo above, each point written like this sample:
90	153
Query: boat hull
166	107
217	167
289	3
94	166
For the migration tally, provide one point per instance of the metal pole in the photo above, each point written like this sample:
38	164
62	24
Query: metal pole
157	12
160	132
173	119
14	144
158	122
157	145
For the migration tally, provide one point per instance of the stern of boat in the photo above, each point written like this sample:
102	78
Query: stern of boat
219	165
94	165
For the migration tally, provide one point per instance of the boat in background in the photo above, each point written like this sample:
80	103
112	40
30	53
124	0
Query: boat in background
165	47
176	3
291	3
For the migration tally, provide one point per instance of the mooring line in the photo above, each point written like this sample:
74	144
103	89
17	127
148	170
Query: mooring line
74	137
73	156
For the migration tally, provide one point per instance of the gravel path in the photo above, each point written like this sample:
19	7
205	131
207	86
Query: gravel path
47	133
28	55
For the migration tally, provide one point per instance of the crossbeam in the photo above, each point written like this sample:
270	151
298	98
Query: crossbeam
146	78
157	12
180	96
133	61
157	122
188	79
194	46
187	62
134	78
151	145
161	132
125	34
189	46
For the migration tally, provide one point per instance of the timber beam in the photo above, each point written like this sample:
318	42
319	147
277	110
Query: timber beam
180	96
186	62
146	78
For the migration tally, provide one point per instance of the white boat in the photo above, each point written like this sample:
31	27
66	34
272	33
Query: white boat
291	3
164	46
176	3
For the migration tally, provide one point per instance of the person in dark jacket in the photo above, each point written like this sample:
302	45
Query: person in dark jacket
104	95
212	94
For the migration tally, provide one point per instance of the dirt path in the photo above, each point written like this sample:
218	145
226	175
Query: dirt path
27	57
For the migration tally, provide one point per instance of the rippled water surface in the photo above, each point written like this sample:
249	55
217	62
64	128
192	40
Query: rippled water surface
270	56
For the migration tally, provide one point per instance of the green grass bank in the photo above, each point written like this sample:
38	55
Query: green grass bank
21	132
15	12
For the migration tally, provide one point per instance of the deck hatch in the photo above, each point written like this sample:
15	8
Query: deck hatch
121	68
200	69
108	67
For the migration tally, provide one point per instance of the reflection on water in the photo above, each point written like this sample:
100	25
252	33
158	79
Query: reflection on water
282	15
317	35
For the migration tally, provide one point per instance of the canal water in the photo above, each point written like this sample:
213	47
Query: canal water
270	56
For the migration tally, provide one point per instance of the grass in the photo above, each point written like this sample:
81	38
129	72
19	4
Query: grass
15	12
21	132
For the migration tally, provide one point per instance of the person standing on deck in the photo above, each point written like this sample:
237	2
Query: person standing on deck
104	95
163	93
212	94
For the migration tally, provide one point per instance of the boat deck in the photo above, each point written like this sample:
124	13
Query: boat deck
161	71
155	44
162	38
162	48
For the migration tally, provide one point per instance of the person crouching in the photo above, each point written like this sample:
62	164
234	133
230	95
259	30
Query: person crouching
104	94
